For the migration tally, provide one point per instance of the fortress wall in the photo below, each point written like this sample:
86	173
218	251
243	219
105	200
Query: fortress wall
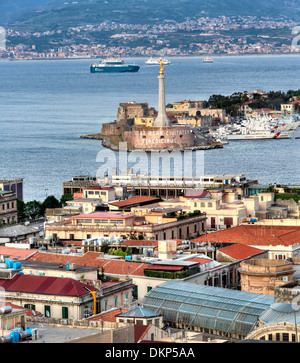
170	137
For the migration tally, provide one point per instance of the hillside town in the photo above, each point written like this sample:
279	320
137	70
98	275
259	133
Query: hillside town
221	35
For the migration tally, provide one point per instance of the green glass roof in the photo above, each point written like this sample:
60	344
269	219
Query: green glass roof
207	307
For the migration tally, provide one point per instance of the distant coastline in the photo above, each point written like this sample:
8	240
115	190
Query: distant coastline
143	56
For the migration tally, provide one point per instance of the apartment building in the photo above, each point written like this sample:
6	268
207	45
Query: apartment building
8	207
154	225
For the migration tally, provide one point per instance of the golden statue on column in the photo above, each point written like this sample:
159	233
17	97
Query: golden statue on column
161	66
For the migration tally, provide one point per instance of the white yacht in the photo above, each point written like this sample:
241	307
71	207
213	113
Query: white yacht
256	128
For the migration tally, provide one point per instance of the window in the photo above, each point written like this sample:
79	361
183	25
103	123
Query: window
135	292
228	221
65	312
149	288
102	221
116	302
71	236
285	337
116	221
29	306
47	311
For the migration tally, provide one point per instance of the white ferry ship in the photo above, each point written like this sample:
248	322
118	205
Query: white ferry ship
156	61
207	60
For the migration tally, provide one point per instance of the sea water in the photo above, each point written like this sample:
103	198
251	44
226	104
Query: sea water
46	105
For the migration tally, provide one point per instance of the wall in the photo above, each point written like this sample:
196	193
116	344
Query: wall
261	276
171	137
112	129
76	306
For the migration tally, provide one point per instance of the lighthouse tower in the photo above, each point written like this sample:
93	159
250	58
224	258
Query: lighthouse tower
162	119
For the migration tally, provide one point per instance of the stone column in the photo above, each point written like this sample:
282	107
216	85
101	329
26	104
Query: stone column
162	118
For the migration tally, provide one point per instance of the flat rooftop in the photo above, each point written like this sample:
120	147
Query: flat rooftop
55	334
53	266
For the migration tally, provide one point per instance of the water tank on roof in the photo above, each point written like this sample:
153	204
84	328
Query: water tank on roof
5	339
9	263
14	336
24	334
17	265
5	309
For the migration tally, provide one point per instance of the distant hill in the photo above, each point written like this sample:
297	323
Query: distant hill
10	10
64	13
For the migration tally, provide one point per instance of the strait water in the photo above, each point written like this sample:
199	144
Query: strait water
46	105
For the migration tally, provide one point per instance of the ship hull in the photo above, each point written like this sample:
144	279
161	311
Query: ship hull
114	68
278	135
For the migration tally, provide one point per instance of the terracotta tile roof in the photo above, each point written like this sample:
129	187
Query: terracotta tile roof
201	261
29	311
16	253
239	251
196	194
109	316
255	235
92	259
134	200
45	285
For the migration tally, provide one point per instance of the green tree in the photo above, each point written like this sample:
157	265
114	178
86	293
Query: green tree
49	202
33	210
21	210
65	197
